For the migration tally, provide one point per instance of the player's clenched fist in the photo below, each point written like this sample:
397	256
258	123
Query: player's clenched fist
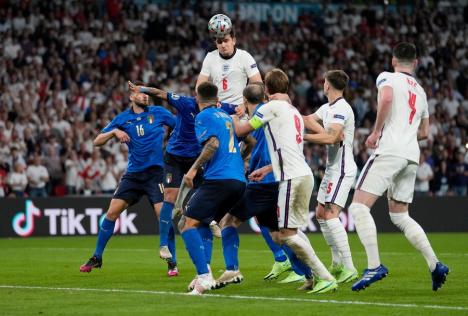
372	140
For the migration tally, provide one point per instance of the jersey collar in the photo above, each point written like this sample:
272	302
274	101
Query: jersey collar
230	56
209	107
406	73
145	109
338	99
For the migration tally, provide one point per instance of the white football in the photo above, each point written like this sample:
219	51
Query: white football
219	25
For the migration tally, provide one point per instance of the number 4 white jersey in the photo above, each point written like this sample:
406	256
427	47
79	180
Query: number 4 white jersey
229	75
284	131
400	132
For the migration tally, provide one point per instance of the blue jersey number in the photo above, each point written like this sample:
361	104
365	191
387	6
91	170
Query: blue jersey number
232	148
140	130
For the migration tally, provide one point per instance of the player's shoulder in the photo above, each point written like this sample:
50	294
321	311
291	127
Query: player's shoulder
212	54
157	109
344	105
384	77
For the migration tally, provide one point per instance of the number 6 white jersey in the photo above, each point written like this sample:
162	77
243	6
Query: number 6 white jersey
284	131
400	131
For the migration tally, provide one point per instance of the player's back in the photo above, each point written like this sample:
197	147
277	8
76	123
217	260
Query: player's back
227	162
285	135
409	106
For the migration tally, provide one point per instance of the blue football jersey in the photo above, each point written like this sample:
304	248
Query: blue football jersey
260	156
227	162
146	132
183	141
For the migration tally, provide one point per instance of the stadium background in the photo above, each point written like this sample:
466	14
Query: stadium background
64	67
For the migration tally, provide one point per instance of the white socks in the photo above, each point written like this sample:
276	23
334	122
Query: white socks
416	236
306	254
340	241
367	232
336	258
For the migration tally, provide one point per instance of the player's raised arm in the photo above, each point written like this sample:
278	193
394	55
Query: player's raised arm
209	149
384	108
201	78
333	135
153	92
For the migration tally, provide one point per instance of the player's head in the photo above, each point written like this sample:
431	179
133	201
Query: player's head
404	55
254	94
227	44
276	81
335	80
138	98
207	94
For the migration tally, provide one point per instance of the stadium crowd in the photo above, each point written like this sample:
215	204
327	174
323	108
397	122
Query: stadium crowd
64	67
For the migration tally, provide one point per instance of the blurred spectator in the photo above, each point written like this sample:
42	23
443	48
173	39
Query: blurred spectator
109	177
64	67
17	180
37	177
459	171
423	176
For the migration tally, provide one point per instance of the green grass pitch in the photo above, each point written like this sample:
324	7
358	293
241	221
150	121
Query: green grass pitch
40	276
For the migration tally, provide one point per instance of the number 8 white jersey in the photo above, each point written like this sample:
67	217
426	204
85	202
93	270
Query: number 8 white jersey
284	131
400	132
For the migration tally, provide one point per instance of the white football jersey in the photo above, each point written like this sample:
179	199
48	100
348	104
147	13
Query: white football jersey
400	131
284	131
229	75
339	156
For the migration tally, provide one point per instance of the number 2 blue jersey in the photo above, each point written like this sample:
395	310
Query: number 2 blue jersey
183	141
146	132
226	163
260	156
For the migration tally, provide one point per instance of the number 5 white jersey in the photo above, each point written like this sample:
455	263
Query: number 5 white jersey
284	131
399	134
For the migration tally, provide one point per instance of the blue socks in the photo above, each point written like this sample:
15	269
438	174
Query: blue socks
297	265
165	223
274	247
171	243
207	239
105	233
194	245
230	248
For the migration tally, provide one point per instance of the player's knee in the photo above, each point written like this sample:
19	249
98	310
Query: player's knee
319	212
170	195
357	210
399	219
275	235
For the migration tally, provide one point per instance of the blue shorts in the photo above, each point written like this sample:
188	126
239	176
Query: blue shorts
260	201
134	185
174	169
213	199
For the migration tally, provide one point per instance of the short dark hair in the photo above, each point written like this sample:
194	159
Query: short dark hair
277	81
338	79
254	93
232	33
404	52
207	92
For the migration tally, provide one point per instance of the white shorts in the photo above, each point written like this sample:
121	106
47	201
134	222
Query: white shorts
293	201
392	173
335	187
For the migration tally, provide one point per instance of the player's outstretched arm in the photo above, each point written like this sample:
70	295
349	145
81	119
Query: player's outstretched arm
311	122
242	129
103	138
333	135
209	149
423	130
154	92
384	108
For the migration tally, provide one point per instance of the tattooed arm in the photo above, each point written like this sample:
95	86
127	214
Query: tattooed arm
332	135
210	148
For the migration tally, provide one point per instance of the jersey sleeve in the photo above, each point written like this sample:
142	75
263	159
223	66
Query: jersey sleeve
263	115
229	108
250	65
179	102
384	80
204	129
321	112
115	123
339	115
425	112
165	116
206	69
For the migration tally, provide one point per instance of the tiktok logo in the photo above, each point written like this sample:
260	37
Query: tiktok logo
23	223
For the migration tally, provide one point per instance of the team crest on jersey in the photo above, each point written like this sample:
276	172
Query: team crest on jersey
175	96
151	119
169	178
138	118
225	67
